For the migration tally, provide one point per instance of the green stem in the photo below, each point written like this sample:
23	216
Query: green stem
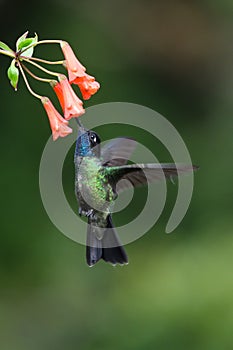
35	76
27	83
42	60
7	53
41	68
42	42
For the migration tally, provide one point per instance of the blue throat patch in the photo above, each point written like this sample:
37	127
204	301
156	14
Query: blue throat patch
83	148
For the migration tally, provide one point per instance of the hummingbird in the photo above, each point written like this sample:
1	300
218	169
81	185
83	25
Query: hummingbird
98	171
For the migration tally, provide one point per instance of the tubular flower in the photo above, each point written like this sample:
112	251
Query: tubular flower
58	91
74	67
59	125
77	73
72	106
87	85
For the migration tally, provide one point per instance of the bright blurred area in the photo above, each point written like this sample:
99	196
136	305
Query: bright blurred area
177	291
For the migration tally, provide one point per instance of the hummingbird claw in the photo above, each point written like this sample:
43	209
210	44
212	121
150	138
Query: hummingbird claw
82	212
89	212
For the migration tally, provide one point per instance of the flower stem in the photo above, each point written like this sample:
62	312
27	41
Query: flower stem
27	83
35	76
42	60
7	53
41	68
42	42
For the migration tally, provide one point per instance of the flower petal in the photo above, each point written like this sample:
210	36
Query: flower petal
73	106
74	67
58	124
87	85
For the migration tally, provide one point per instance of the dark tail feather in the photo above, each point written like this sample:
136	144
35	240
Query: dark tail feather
98	248
94	246
116	254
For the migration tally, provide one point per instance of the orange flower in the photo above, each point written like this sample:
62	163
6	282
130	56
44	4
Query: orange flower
58	91
72	106
74	67
77	73
87	85
59	125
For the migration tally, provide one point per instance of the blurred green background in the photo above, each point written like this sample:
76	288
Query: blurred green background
177	292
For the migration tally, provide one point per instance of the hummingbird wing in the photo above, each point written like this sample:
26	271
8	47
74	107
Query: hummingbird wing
117	151
140	174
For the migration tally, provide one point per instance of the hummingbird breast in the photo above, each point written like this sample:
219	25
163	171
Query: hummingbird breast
92	188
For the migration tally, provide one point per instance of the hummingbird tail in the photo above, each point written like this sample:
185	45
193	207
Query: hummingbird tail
96	248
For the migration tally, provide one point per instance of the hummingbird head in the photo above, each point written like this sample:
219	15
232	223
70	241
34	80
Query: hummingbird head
88	143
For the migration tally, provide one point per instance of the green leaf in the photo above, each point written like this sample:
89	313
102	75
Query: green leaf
13	75
23	42
5	47
23	37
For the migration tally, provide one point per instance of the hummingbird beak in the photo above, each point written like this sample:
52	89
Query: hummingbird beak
78	122
81	129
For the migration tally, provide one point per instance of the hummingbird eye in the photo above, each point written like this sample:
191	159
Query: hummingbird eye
93	138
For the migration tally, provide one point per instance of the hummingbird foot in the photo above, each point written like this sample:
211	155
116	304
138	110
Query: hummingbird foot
91	215
82	212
